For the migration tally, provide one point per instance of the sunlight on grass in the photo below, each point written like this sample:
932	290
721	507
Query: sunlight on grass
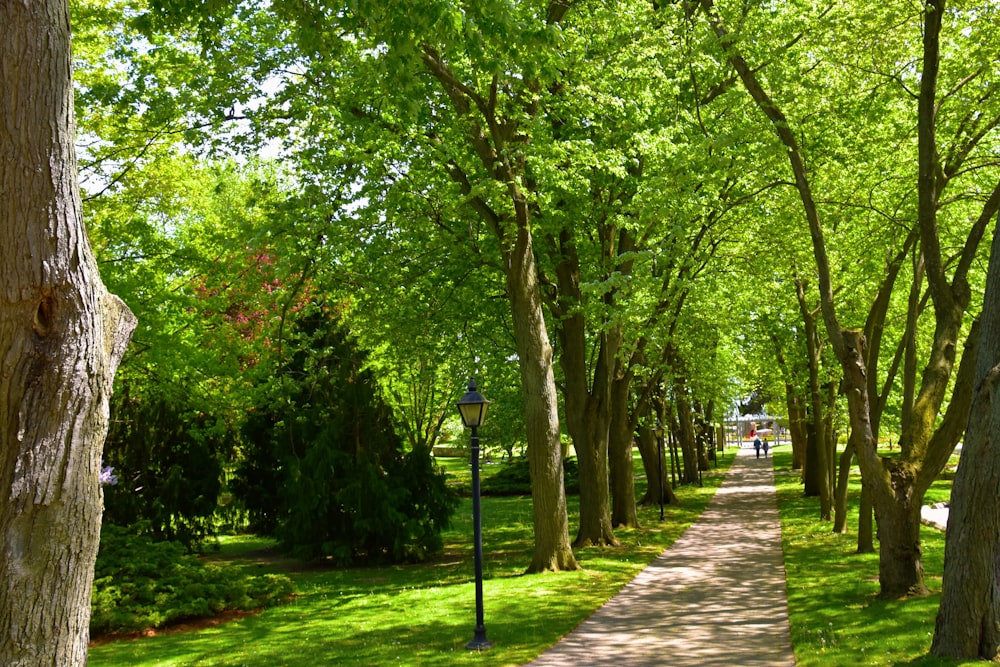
424	614
836	616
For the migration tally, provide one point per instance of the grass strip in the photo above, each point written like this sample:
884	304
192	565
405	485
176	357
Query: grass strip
836	616
424	614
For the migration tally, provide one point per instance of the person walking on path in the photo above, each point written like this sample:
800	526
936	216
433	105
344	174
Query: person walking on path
756	446
715	598
765	446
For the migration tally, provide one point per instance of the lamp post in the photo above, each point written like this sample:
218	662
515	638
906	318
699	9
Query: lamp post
472	406
658	430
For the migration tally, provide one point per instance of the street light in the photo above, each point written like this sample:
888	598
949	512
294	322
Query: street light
658	430
472	406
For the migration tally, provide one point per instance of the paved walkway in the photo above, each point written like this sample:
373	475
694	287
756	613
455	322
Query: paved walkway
716	597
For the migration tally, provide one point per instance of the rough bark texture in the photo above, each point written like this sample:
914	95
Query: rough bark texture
551	519
61	339
685	434
866	522
843	477
968	621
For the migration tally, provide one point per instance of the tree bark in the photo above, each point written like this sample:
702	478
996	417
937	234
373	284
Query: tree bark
843	478
866	522
62	336
968	620
656	461
818	456
588	403
624	511
551	520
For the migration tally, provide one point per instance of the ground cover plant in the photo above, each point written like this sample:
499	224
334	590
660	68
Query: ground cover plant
140	584
836	616
423	614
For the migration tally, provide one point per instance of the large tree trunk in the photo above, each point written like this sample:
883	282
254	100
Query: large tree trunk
968	620
623	507
588	403
901	570
61	339
551	520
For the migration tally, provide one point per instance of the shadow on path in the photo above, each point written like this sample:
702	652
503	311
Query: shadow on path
716	597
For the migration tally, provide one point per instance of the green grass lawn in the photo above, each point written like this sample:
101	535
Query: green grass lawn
422	614
836	616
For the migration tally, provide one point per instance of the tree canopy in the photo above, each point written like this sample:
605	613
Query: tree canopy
609	214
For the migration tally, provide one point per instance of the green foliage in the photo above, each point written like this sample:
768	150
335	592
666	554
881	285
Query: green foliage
513	478
169	470
324	470
141	584
182	243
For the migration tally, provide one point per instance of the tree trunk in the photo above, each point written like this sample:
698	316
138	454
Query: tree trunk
685	434
588	403
901	570
797	430
548	492
819	456
811	470
623	507
968	620
843	479
646	441
866	524
703	438
61	339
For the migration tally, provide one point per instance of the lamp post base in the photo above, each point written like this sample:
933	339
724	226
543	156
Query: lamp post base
479	641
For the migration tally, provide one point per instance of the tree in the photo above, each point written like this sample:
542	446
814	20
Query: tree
324	467
176	237
968	620
443	94
898	485
62	336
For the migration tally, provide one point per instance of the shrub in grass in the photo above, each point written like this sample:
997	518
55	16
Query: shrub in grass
324	471
141	584
513	478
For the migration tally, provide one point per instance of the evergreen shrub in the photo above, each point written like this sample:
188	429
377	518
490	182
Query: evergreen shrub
323	469
513	478
141	584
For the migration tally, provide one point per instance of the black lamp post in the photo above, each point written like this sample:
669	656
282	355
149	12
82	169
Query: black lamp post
659	461
472	407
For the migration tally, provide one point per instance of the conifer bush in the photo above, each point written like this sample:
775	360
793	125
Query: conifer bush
324	471
141	584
